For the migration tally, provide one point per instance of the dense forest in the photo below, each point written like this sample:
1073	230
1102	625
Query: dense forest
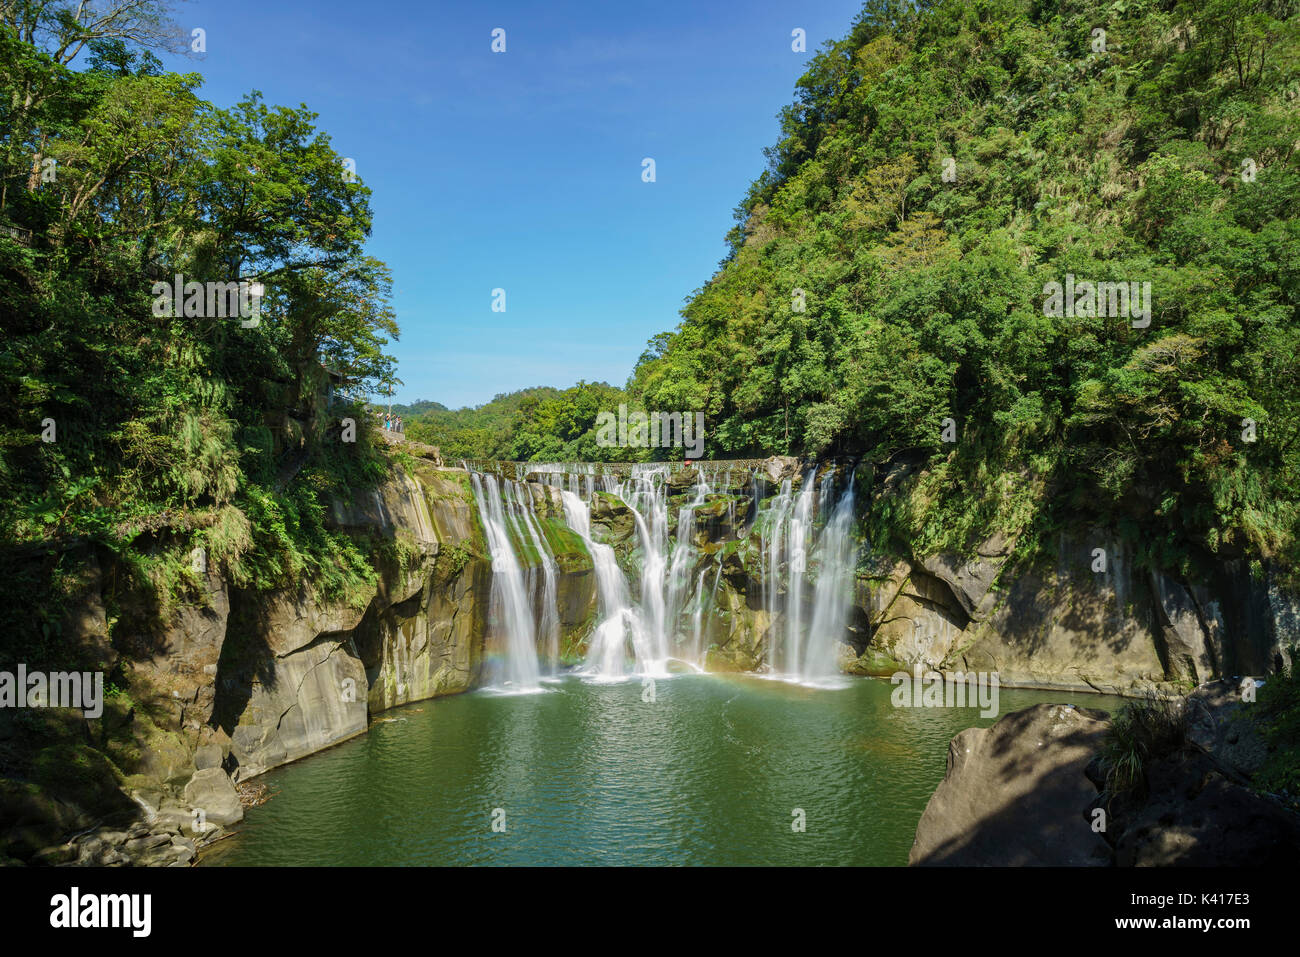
884	294
149	431
1029	266
885	290
530	424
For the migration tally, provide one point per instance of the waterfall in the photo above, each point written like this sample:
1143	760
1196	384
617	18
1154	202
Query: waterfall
549	622
645	493
800	531
510	604
607	647
799	650
778	516
837	558
665	612
698	634
679	572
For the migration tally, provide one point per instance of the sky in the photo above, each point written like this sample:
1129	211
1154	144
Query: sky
522	170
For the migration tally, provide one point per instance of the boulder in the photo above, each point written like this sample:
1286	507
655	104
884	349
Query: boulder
612	521
970	582
682	479
1196	817
778	468
211	792
1014	794
208	756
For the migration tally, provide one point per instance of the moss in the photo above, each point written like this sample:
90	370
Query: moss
568	548
452	559
573	641
77	773
875	662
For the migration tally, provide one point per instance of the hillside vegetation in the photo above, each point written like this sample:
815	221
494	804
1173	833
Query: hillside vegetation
887	291
1166	152
128	427
537	423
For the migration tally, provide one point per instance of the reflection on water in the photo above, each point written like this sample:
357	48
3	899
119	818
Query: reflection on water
709	772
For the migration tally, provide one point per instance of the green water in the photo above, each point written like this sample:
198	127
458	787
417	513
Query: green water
710	772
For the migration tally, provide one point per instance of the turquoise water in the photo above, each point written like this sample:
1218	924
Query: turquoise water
709	772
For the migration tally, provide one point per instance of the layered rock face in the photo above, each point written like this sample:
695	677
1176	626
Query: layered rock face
1085	619
301	674
268	678
240	681
243	681
1074	624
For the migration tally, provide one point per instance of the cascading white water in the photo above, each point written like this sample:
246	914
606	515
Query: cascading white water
509	601
646	496
837	558
679	572
800	533
805	552
770	554
548	631
607	647
799	650
698	634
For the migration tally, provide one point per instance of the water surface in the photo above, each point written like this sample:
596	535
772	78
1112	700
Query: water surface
710	772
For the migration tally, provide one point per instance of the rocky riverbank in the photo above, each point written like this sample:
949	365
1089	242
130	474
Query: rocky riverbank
240	681
1038	788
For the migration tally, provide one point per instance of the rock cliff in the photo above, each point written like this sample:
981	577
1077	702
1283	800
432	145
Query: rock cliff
241	681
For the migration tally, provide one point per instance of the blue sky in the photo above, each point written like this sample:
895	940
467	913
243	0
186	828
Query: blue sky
522	170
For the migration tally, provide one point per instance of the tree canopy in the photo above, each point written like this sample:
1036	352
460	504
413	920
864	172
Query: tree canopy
155	434
939	167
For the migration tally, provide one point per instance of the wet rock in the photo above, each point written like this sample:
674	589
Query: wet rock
137	846
174	819
184	843
778	468
683	479
168	855
612	521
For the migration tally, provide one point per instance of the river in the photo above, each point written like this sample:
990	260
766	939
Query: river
715	770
